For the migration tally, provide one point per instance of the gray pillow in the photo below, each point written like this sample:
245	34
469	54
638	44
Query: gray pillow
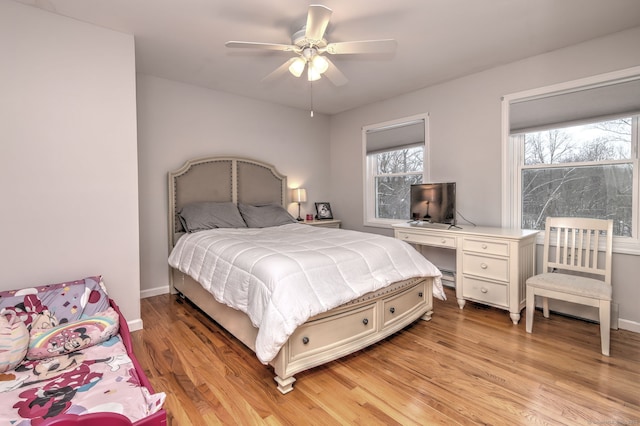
209	215
265	215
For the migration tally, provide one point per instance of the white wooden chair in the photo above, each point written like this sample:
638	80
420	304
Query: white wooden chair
588	281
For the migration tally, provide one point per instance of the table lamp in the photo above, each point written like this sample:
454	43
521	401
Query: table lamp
299	195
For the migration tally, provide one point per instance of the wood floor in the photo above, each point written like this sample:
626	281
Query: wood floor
470	366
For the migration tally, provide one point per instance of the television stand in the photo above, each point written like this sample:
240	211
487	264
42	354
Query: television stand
492	264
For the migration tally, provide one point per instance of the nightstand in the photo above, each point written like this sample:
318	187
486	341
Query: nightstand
325	223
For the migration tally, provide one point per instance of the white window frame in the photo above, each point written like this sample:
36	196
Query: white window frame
369	168
511	159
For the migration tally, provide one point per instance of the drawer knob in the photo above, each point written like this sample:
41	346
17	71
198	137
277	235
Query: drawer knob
365	321
305	340
484	246
392	310
484	290
420	295
484	265
442	241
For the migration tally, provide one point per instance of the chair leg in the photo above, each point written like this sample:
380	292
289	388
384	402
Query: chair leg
605	326
545	307
530	307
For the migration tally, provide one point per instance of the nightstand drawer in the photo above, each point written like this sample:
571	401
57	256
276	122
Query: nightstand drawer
324	223
500	248
484	291
430	240
493	268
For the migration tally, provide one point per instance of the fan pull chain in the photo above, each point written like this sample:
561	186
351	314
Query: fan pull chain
311	95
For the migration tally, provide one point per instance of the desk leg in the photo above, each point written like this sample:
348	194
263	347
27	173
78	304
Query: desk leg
515	317
461	303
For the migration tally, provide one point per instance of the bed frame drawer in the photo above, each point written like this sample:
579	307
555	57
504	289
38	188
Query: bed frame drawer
332	331
396	307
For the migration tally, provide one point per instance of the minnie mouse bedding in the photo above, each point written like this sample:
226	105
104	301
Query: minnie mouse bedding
77	357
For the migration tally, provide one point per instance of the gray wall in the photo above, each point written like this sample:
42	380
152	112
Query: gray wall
465	138
68	160
177	122
75	187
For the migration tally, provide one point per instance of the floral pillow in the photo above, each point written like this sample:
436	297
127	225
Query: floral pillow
73	336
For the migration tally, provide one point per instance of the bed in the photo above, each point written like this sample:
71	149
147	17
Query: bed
314	331
66	358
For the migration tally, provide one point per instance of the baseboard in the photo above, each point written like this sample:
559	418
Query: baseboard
624	324
135	325
154	292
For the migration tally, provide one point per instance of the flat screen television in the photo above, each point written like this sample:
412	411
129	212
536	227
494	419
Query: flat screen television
434	203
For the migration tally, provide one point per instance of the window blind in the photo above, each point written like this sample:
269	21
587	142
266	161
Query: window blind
548	111
394	137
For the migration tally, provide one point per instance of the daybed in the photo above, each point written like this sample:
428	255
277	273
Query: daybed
262	276
66	356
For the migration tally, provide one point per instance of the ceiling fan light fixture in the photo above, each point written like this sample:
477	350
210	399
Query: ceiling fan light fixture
320	64
309	43
297	67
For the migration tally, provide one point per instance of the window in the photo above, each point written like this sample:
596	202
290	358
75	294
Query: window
393	174
572	150
585	170
394	155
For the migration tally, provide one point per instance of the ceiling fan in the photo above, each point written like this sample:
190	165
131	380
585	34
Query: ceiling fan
309	45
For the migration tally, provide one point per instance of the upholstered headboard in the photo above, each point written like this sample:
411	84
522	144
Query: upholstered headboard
235	179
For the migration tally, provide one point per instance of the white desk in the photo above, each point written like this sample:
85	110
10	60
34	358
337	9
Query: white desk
492	264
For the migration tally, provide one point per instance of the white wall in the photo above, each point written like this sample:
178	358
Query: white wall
68	161
465	123
177	122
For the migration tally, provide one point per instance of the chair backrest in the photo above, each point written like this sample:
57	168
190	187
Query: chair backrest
573	244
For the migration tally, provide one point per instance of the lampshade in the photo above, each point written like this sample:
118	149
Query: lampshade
299	195
297	67
312	73
320	64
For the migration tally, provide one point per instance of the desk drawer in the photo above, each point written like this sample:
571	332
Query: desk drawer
483	291
493	268
430	240
500	248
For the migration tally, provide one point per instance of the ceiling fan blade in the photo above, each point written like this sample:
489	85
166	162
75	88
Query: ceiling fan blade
364	46
282	69
335	75
263	46
317	21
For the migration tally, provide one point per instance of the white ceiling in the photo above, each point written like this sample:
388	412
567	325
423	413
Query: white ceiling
438	40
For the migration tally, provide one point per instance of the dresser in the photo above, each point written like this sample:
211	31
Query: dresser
492	264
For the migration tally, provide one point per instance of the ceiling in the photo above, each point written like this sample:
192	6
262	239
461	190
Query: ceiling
438	40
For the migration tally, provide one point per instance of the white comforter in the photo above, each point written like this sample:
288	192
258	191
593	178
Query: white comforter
281	276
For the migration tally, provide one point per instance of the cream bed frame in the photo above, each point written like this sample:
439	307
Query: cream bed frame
323	338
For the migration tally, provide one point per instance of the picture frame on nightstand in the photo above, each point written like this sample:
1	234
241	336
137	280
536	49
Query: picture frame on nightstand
323	211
